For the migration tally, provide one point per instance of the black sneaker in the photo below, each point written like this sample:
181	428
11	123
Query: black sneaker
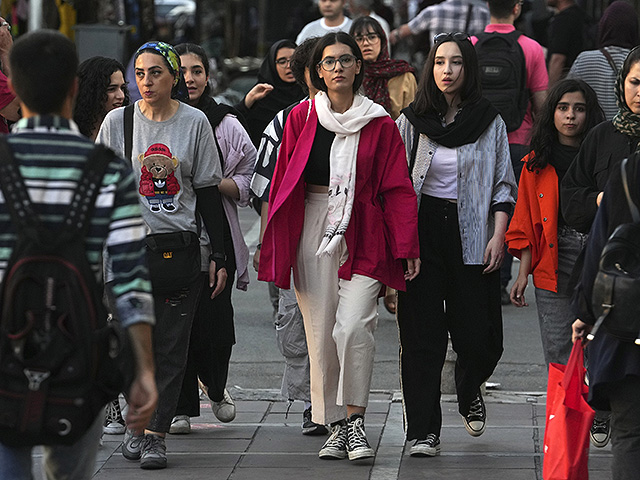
113	421
335	448
600	432
309	427
357	445
476	420
428	447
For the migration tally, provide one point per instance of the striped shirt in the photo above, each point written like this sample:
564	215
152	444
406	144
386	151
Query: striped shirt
594	68
51	154
484	181
451	16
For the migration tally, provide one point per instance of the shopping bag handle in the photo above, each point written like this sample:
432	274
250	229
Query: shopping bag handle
573	380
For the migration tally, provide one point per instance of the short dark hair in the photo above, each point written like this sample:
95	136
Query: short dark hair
94	78
316	58
360	25
300	61
501	8
429	98
43	70
544	137
198	51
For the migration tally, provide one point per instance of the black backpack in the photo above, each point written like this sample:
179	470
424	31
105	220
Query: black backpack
57	353
503	74
615	297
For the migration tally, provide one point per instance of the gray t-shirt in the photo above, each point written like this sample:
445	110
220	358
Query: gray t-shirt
170	160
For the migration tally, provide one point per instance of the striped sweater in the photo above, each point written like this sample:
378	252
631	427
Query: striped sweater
51	154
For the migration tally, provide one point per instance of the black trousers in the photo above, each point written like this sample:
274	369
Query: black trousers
212	339
625	427
447	297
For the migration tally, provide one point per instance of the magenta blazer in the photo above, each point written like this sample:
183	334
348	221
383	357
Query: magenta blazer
384	223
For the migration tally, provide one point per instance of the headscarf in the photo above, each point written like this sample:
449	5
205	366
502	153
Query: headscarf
625	121
179	90
618	26
378	73
282	95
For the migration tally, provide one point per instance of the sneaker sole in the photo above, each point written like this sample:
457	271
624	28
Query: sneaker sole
361	454
332	454
179	430
153	464
424	452
109	430
473	432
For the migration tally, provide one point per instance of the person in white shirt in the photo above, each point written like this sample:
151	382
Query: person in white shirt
333	20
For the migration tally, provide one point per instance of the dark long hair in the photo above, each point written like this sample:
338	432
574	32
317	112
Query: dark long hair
332	39
198	51
429	98
545	136
94	77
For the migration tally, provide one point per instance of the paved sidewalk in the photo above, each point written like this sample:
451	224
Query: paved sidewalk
261	443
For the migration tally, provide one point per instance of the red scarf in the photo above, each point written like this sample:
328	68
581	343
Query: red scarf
378	73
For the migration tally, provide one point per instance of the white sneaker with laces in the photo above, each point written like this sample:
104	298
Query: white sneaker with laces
428	447
358	446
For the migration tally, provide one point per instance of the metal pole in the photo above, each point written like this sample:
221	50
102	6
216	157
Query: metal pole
35	15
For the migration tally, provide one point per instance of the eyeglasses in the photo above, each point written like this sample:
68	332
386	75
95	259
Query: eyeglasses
283	61
372	38
441	37
329	63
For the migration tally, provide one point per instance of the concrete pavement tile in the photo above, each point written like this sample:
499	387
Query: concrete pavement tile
218	431
499	440
186	460
192	444
453	474
170	473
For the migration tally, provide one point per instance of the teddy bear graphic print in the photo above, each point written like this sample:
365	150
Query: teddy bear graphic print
158	183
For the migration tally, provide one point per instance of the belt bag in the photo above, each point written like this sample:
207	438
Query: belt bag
174	260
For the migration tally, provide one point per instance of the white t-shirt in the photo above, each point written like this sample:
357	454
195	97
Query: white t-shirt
441	180
319	27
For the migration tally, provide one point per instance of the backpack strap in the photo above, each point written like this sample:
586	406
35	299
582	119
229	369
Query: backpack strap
14	190
609	58
128	131
632	206
468	21
84	197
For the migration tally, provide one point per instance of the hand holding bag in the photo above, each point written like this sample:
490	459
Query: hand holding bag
568	420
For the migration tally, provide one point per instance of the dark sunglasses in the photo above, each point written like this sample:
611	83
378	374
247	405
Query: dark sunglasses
441	37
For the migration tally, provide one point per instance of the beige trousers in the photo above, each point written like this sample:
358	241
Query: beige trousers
340	317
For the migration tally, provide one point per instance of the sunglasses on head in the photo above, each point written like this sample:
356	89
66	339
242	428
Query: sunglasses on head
441	37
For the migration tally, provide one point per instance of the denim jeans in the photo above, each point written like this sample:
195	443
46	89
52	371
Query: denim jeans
60	462
554	309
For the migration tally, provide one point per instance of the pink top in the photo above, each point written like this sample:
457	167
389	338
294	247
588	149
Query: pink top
384	222
537	76
6	97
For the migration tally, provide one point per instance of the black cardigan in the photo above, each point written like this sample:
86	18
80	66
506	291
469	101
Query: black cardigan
601	151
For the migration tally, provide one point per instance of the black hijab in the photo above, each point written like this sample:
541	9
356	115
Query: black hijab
282	95
470	122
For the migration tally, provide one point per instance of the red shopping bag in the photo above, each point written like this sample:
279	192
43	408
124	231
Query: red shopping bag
568	421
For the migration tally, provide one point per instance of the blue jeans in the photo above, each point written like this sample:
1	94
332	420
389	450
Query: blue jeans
554	309
60	462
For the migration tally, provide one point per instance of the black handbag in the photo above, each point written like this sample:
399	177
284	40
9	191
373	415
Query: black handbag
174	261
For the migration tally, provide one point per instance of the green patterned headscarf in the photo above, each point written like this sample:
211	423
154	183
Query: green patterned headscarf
172	59
625	121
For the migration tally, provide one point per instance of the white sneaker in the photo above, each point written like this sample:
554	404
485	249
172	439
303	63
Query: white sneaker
225	409
180	425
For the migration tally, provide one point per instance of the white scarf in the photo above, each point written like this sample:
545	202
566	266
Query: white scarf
342	161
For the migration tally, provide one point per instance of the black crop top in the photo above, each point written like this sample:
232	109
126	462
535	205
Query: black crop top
317	170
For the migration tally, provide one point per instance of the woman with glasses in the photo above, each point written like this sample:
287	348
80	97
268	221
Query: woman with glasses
276	89
390	83
461	171
343	215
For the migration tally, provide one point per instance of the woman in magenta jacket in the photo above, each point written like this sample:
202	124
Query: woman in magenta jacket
538	234
342	214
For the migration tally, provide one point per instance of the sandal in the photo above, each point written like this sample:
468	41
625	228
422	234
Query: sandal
390	300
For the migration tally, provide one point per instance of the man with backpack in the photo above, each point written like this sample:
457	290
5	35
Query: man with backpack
77	194
514	78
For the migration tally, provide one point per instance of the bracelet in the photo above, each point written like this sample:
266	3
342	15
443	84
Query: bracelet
259	246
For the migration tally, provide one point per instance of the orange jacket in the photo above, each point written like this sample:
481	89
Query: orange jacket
535	224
